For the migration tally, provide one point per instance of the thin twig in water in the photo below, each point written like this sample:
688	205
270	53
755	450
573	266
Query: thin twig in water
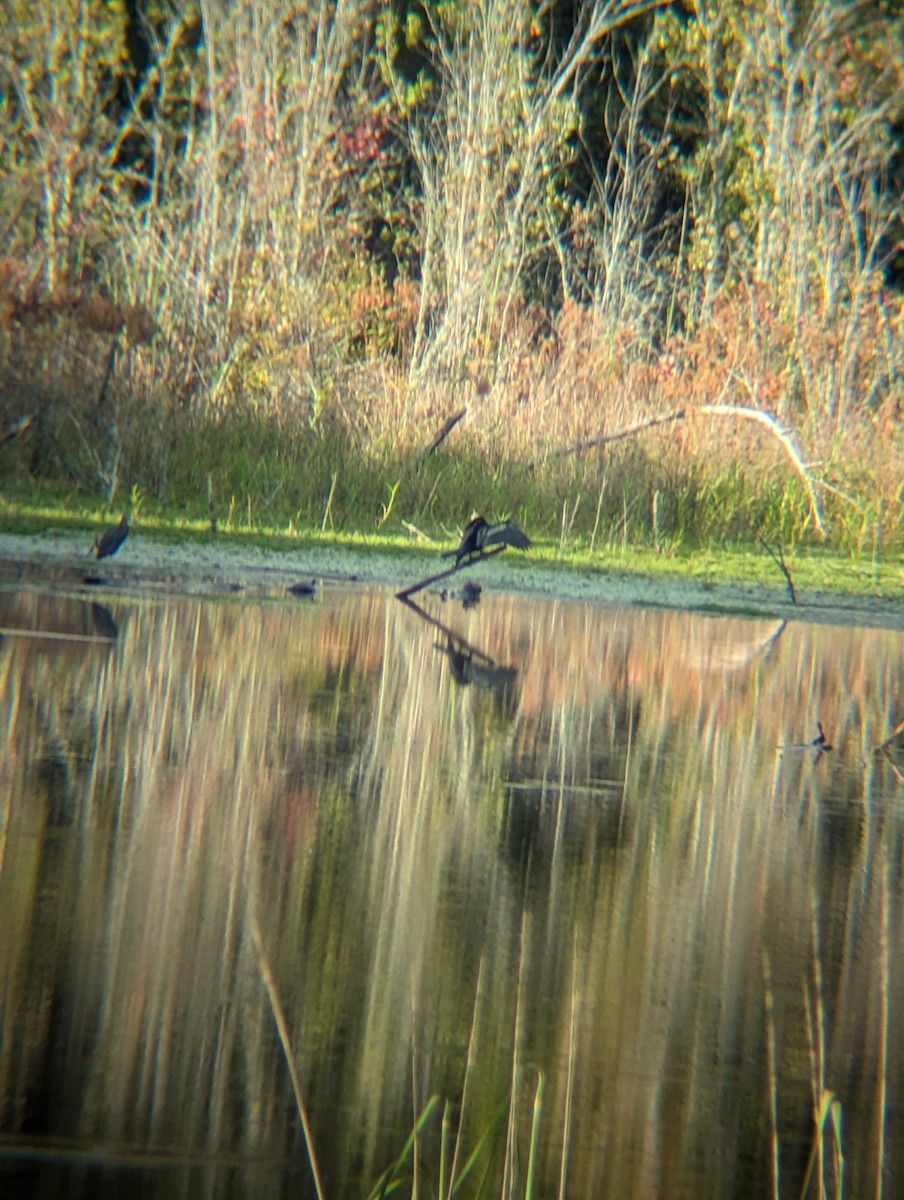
282	1029
52	635
891	737
773	1077
470	1061
886	754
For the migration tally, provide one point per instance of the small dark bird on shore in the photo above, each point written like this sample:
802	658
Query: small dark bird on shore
479	535
112	538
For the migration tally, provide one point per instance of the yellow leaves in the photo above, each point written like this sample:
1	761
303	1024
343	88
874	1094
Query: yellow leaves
67	43
413	30
65	61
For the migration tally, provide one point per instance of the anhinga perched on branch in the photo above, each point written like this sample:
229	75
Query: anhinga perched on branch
479	535
480	540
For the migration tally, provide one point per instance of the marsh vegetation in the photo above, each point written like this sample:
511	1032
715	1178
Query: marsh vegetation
257	257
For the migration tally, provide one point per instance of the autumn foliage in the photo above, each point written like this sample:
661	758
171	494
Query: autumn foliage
242	237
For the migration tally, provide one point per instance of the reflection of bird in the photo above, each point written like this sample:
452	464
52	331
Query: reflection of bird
466	669
822	743
469	594
112	538
102	620
479	534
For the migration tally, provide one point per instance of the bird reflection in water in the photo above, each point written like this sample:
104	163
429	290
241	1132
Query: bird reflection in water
820	743
304	589
468	594
468	663
470	667
102	622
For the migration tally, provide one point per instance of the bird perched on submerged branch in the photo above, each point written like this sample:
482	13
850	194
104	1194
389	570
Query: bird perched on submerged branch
112	538
479	535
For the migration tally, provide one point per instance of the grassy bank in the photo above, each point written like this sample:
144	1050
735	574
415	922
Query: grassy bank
871	574
654	472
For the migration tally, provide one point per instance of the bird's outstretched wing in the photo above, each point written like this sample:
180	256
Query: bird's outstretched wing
506	533
478	536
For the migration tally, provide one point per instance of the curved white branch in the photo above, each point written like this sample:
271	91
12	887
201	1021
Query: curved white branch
770	422
767	420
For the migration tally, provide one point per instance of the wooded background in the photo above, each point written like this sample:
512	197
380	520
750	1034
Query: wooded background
240	236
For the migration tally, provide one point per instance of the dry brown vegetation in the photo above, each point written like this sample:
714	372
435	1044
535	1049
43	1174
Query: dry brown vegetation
278	269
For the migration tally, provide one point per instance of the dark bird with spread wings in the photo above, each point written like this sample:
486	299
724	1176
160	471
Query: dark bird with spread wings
479	536
112	538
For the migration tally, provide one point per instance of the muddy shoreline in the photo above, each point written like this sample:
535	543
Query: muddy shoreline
148	566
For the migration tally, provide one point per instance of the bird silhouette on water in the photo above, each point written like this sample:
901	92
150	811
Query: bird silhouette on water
821	741
303	588
112	538
479	535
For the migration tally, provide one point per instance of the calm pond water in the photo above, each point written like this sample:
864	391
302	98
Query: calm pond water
544	861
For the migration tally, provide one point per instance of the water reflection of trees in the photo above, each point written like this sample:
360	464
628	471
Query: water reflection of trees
612	854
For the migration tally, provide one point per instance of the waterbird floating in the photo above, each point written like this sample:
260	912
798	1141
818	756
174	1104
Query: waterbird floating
303	588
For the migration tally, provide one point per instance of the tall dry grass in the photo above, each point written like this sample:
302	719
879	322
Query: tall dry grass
335	251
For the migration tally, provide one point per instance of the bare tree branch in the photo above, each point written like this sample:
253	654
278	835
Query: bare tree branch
447	428
459	566
769	422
